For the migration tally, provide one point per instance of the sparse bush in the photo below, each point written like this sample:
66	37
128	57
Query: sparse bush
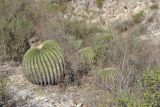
99	3
79	28
74	43
16	29
139	30
129	51
138	17
100	45
121	25
126	99
60	6
4	96
154	6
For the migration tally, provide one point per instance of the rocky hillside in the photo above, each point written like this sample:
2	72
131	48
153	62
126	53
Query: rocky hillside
121	14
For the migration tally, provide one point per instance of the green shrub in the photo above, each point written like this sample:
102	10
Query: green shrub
79	28
100	45
4	96
138	17
151	87
125	99
99	3
44	64
61	6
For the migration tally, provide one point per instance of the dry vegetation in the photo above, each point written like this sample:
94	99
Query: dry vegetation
124	67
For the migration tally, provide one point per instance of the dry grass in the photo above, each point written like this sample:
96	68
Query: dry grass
4	95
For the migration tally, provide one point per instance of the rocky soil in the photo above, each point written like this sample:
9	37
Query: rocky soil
119	13
25	94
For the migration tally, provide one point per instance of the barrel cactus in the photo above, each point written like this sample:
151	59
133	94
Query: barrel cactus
86	54
85	60
44	64
106	75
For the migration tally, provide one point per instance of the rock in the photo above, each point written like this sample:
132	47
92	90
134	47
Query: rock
153	5
10	103
80	105
139	8
14	64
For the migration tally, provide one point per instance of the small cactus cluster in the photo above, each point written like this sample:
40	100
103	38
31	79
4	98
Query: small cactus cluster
44	64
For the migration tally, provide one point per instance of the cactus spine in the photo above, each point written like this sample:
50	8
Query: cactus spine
44	64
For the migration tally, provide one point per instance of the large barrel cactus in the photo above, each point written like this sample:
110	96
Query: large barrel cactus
44	64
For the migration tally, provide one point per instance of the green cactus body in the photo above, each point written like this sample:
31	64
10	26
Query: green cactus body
44	64
107	74
86	54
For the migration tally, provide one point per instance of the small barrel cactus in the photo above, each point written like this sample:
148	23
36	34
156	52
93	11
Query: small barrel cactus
44	64
106	75
85	60
86	54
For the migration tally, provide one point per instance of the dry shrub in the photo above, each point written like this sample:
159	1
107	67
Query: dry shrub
4	94
130	51
79	28
17	27
154	6
74	43
121	25
130	56
138	30
138	17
